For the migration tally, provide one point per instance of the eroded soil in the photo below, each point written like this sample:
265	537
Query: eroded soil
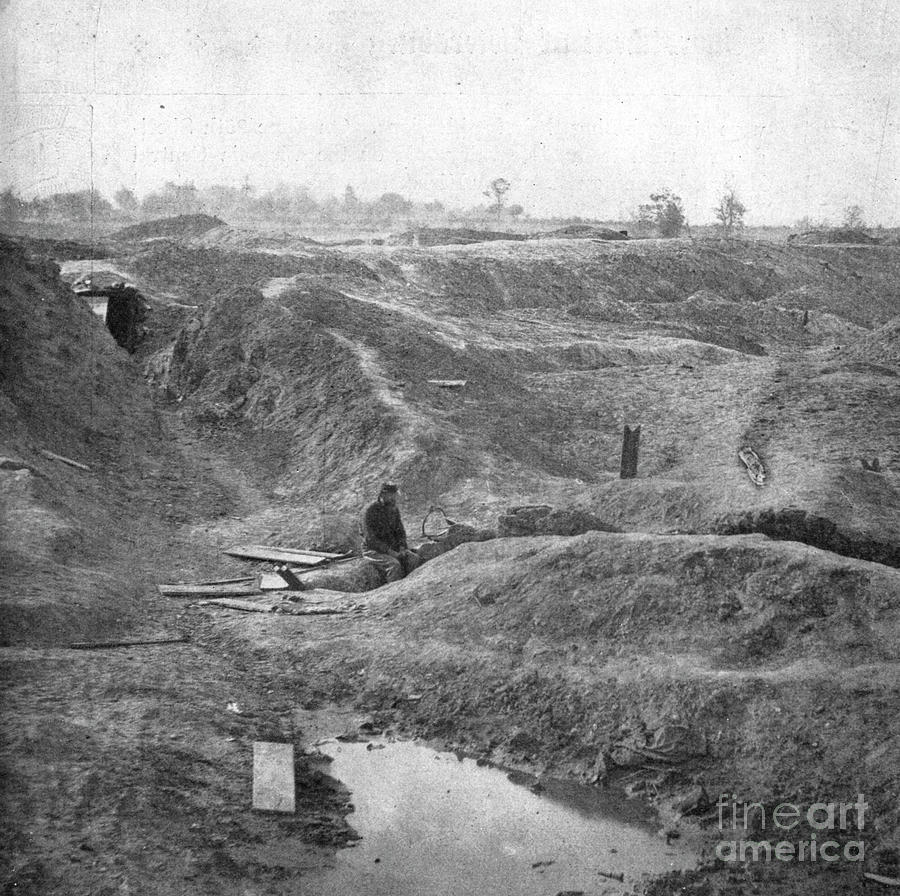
283	387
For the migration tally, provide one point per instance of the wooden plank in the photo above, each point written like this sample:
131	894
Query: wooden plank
281	555
248	606
881	879
65	460
203	589
448	384
99	645
275	582
273	777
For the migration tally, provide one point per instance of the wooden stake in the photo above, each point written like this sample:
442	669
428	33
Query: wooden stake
630	442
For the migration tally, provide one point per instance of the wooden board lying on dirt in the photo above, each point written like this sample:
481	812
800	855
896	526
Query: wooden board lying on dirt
65	460
273	777
101	645
281	555
248	606
247	585
283	607
448	384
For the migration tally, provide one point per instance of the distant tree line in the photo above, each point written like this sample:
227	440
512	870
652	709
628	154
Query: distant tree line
288	205
285	204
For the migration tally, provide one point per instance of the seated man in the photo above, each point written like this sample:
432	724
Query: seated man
384	538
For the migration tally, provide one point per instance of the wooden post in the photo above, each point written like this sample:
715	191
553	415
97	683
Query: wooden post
630	443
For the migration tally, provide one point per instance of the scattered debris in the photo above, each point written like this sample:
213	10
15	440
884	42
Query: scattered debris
99	645
613	875
873	466
545	864
234	707
224	587
273	777
755	469
448	384
65	460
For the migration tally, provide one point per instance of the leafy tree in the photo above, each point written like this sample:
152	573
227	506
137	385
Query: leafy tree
80	205
853	217
126	200
730	212
173	199
516	211
664	212
389	206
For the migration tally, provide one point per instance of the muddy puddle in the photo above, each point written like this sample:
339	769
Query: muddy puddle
432	823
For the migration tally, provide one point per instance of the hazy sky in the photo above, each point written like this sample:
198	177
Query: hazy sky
585	106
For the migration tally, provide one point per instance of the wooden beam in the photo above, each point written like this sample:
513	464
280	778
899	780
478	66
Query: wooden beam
65	460
210	589
281	555
248	606
273	777
100	645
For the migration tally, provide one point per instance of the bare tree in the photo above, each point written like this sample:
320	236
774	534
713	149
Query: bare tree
497	190
730	212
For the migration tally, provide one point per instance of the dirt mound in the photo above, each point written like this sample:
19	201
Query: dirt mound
242	240
880	347
571	274
68	533
581	232
834	235
320	373
65	387
59	249
450	236
199	274
739	662
594	645
177	228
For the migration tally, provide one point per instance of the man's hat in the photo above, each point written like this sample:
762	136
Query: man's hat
389	487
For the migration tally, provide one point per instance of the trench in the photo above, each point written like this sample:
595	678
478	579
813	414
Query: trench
811	529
